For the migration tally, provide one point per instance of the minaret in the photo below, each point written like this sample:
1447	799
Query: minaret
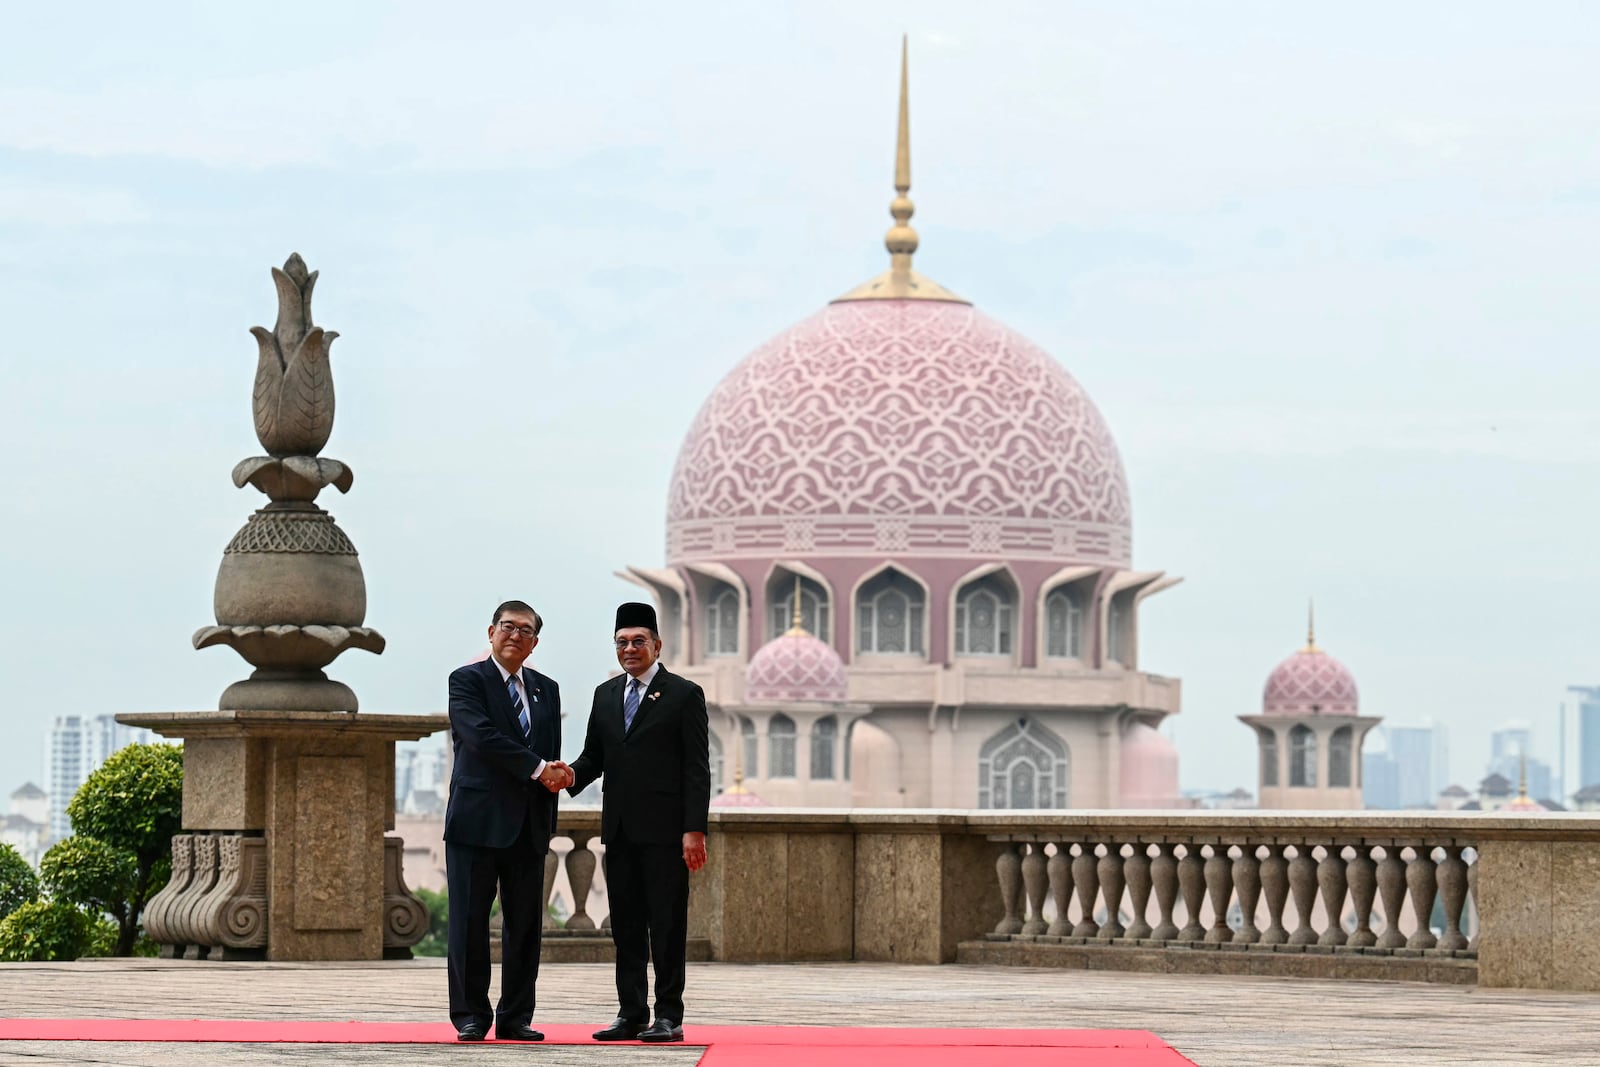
900	282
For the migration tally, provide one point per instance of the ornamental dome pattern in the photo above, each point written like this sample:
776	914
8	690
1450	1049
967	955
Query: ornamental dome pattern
1310	682
795	667
918	427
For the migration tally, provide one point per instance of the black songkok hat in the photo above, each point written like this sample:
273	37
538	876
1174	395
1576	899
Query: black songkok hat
629	615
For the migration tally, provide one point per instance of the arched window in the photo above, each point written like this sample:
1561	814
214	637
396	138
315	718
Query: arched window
824	732
752	747
780	747
1117	632
983	619
722	623
1302	757
1023	766
716	761
1063	623
1339	753
1269	757
889	616
813	608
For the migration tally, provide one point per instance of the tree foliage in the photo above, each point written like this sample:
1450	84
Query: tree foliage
433	942
91	873
133	803
44	930
18	884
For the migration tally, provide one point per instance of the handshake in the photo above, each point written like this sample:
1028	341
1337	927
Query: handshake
556	776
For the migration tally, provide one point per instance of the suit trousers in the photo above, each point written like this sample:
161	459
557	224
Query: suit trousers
648	886
473	875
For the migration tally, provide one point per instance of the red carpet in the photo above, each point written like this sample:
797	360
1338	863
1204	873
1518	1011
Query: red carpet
726	1046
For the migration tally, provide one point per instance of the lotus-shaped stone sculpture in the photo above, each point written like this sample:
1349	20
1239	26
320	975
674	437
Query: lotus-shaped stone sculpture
293	398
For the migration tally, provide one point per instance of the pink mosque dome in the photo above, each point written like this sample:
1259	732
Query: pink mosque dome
1310	682
1149	769
795	667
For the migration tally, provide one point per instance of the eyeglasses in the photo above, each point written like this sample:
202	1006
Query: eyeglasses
511	629
636	642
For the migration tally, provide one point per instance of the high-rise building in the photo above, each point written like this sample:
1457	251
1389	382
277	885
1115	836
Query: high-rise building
1380	781
1587	699
1511	757
75	747
1419	755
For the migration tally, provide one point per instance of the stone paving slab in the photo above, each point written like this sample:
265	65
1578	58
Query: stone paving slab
1216	1021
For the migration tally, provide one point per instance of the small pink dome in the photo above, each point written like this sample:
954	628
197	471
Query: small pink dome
1310	682
738	797
1149	769
1523	805
795	666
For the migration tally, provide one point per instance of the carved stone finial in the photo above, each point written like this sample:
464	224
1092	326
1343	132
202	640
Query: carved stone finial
294	383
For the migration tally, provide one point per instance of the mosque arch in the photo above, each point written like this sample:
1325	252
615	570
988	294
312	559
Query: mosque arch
780	746
816	602
1024	765
824	740
1302	757
891	614
1269	757
1341	748
984	619
722	620
718	782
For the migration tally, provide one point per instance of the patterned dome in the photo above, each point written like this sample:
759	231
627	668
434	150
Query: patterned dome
1310	682
919	427
795	666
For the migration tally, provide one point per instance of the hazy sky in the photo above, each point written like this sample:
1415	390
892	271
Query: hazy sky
1327	270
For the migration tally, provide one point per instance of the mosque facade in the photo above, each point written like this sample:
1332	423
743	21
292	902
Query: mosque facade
899	559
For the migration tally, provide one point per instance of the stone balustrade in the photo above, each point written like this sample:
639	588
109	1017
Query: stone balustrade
1445	897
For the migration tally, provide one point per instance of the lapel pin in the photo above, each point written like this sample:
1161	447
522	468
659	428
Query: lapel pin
654	695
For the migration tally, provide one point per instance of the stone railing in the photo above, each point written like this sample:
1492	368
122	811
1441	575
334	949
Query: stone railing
1451	897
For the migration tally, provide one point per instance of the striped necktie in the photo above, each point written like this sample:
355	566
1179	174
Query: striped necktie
516	703
630	704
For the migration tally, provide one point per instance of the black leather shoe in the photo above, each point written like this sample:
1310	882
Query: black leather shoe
663	1030
470	1032
517	1033
620	1030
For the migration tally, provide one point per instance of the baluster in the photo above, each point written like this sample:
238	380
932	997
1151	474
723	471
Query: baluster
605	872
1137	869
1192	879
1112	883
1008	867
1219	887
1059	872
1247	883
551	863
1472	901
1453	888
1392	892
1275	884
1361	873
1034	882
1303	884
1164	873
1087	878
1333	883
580	876
1422	882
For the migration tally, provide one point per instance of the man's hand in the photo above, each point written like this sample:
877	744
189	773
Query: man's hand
556	776
694	850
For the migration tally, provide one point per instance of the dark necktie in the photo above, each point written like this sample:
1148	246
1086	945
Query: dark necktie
630	704
521	709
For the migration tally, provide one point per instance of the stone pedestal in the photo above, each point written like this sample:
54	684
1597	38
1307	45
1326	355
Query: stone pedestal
318	789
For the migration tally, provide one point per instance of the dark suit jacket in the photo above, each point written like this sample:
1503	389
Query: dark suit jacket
492	791
657	775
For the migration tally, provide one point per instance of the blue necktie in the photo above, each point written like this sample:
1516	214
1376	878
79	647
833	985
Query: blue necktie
630	704
521	709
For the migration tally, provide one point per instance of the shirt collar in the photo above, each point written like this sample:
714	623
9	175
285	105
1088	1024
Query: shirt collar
505	675
648	676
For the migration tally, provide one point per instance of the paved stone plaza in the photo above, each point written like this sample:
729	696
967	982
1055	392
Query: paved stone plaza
1215	1021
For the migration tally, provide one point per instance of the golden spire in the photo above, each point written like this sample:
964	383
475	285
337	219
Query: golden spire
1311	626
900	282
796	628
1522	774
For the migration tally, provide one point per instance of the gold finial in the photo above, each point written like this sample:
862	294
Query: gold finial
900	282
1522	774
1311	626
796	626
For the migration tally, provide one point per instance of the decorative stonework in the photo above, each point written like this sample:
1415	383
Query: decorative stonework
795	666
405	918
925	413
1310	682
291	531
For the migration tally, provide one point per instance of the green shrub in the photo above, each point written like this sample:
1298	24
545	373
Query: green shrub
433	942
93	875
133	803
44	930
18	884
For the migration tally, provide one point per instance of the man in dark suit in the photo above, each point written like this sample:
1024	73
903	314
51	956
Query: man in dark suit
505	726
648	736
